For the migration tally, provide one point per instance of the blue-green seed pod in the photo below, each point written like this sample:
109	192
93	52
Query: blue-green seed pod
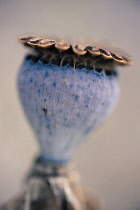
66	92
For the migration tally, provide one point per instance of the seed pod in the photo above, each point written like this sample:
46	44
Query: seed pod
66	92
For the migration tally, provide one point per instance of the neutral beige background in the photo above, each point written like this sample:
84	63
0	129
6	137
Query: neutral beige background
109	162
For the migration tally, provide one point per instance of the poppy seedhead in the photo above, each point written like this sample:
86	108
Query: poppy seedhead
66	92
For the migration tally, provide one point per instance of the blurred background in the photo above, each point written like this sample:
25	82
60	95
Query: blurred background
109	160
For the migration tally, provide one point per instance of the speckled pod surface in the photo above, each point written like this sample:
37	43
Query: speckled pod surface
64	104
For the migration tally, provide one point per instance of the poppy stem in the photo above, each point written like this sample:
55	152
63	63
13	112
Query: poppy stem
52	187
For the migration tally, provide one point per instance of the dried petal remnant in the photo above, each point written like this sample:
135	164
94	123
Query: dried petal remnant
79	50
45	43
62	45
101	58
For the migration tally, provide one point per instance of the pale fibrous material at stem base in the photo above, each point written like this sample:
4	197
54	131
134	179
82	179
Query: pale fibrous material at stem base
52	187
